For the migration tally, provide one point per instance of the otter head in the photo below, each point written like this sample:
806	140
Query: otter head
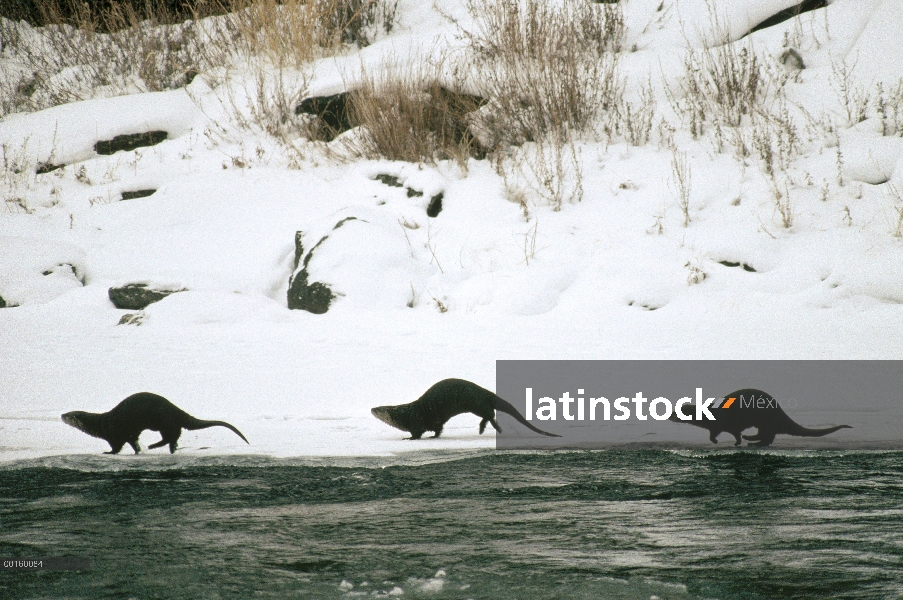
80	420
390	416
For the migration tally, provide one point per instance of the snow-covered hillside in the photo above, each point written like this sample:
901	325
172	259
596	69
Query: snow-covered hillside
776	236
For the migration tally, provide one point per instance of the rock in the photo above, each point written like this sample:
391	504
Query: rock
451	118
47	167
331	112
789	13
129	142
64	270
38	270
132	319
340	223
137	194
299	248
389	180
136	296
435	206
444	112
792	60
746	267
313	297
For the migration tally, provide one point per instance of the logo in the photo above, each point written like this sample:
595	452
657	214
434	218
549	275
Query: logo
660	408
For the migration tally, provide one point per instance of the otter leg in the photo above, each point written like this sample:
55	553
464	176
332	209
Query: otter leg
415	435
115	447
169	436
483	425
764	439
438	431
737	438
495	424
135	446
713	437
173	439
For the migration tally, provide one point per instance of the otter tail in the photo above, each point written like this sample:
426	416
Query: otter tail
507	407
764	437
199	424
806	432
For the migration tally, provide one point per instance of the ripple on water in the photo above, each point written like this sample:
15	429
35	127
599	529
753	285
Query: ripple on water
602	524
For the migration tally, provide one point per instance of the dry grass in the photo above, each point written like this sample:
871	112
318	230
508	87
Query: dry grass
293	32
548	68
634	120
889	107
548	169
723	84
737	100
550	73
64	63
127	47
854	100
413	118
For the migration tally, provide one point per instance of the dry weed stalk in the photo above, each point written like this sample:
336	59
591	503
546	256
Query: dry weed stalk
897	205
681	181
854	100
548	167
889	107
782	202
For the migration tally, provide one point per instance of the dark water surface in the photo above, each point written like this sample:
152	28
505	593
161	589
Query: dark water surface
635	524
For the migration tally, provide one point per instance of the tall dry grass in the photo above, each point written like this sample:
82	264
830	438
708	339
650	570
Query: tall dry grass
119	50
411	117
83	51
293	32
723	84
547	68
550	72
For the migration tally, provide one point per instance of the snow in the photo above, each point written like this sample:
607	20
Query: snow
868	156
613	276
37	270
67	133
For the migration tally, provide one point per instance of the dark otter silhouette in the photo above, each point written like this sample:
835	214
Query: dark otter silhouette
444	400
754	408
125	422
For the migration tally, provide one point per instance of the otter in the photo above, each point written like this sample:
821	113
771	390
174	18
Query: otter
755	409
444	400
125	422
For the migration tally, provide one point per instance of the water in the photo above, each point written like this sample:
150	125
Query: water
633	524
